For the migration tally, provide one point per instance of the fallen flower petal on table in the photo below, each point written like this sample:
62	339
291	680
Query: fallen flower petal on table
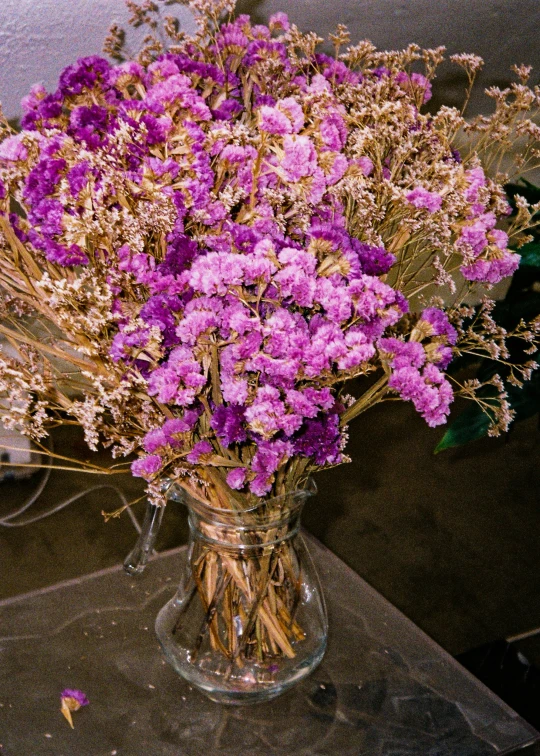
72	700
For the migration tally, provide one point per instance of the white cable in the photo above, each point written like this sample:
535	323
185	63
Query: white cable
37	493
6	524
5	521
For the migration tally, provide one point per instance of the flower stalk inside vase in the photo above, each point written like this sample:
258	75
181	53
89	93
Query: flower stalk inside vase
249	599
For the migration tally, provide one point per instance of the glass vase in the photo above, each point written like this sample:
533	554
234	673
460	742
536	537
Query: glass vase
248	620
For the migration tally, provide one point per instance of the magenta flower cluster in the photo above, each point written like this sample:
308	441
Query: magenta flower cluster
259	299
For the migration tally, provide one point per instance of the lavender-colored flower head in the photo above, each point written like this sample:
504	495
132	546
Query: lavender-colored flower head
76	695
72	700
228	422
438	324
421	198
229	231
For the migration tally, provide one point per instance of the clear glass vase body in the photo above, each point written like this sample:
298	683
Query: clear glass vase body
248	620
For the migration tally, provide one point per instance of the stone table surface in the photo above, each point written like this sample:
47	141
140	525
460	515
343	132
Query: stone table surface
383	689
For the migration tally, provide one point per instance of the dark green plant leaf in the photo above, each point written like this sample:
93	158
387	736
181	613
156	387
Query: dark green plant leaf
530	254
474	423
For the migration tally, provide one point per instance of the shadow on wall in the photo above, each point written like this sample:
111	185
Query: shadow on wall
254	9
447	90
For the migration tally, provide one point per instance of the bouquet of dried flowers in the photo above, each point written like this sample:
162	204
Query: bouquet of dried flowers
203	246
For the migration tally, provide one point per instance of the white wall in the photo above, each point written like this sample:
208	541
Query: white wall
38	38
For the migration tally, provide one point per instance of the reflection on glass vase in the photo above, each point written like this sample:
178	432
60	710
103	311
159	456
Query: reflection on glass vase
248	620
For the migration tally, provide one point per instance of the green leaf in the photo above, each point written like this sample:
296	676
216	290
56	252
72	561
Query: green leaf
530	255
474	423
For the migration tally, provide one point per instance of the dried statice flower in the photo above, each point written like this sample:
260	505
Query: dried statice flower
72	700
217	236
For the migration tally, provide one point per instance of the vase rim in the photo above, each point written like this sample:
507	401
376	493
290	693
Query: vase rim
269	509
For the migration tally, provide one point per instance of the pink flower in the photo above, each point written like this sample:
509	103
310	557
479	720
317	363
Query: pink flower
333	131
429	391
236	478
278	21
476	179
335	300
273	121
300	158
421	198
365	164
13	149
146	467
293	110
200	449
492	270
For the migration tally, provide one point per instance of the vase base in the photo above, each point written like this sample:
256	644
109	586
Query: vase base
215	677
242	699
253	696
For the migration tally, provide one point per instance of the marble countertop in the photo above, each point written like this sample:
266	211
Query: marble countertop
383	689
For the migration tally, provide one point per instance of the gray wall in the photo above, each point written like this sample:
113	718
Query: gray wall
502	32
39	37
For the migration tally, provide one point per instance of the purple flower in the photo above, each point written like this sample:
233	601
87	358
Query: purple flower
200	449
492	271
223	225
365	164
57	253
182	424
43	179
72	700
89	124
227	110
476	179
125	341
403	353
333	131
270	455
421	198
273	121
428	390
374	261
439	325
293	110
13	149
77	177
159	311
320	439
335	300
146	467
236	478
83	75
279	21
76	695
228	422
300	158
178	380
360	349
154	440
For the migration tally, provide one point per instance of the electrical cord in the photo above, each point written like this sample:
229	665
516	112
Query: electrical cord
6	520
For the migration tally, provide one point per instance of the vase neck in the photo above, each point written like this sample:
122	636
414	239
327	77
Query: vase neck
263	514
265	524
